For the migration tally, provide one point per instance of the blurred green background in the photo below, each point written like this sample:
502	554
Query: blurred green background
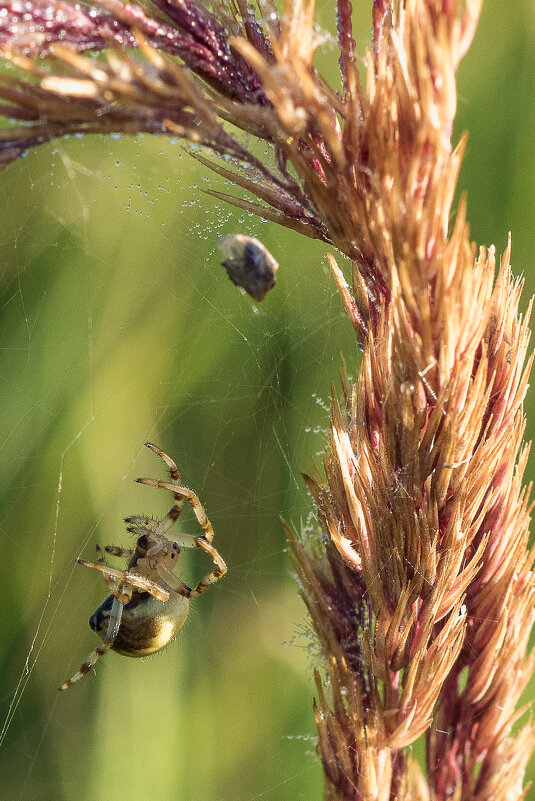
118	326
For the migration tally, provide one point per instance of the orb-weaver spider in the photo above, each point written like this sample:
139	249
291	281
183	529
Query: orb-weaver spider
149	604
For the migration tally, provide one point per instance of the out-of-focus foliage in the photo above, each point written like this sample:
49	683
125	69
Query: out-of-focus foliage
118	325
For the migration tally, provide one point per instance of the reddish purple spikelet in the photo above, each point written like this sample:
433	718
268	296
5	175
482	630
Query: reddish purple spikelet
346	42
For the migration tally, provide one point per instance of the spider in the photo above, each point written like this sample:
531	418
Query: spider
149	604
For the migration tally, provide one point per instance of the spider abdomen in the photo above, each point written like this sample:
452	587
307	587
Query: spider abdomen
147	625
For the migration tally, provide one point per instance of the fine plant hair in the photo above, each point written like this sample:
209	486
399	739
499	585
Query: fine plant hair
419	584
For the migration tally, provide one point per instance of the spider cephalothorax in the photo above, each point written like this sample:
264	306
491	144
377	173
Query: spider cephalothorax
149	604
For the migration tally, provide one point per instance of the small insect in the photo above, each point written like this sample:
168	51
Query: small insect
149	604
248	263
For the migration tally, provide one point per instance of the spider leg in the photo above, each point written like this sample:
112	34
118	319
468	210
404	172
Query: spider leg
116	550
186	540
111	581
140	524
137	581
174	511
111	633
190	496
173	469
170	578
215	575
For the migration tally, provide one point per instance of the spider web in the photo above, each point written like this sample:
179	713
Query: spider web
120	326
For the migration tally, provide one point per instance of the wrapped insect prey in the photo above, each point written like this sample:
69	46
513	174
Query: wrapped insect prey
249	264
